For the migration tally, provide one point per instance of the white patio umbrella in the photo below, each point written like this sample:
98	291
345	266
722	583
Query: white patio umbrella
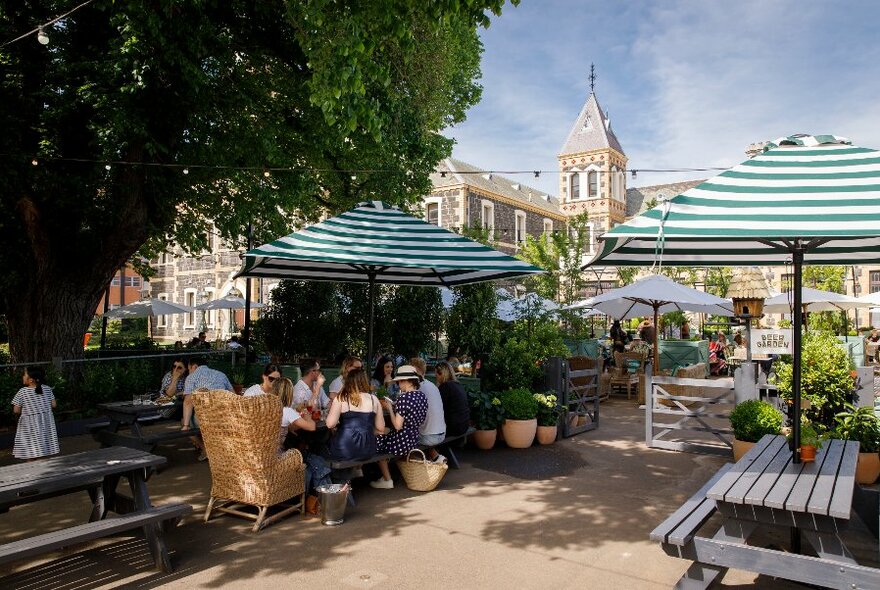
812	300
655	295
148	307
806	199
229	302
510	309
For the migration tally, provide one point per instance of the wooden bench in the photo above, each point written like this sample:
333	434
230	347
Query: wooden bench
676	533
446	446
146	442
342	470
49	542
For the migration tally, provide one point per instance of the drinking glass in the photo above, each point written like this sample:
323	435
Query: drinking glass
136	400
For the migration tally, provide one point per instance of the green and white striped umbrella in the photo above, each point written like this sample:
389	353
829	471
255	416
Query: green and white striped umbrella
377	243
380	240
813	199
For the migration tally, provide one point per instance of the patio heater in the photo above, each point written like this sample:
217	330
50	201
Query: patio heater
233	292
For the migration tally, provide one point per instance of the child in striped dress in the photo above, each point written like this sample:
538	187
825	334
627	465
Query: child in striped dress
36	436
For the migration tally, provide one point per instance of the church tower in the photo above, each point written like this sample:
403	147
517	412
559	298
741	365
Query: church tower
592	168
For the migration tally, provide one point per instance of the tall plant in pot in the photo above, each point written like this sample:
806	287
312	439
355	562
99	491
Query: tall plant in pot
548	417
862	425
751	420
520	418
487	415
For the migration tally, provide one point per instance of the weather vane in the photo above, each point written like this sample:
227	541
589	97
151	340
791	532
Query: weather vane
592	78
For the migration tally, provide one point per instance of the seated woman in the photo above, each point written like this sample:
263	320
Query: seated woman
350	362
317	471
455	403
172	385
407	415
271	373
357	417
718	355
383	376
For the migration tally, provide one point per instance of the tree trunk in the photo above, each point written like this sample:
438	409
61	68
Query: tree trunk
48	318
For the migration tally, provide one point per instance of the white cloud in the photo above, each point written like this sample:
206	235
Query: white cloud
688	83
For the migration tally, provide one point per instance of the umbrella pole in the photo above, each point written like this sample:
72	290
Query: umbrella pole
656	370
247	308
797	263
371	276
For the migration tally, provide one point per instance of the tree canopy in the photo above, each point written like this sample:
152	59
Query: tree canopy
146	125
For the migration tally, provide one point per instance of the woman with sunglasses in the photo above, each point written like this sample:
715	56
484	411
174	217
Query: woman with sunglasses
271	373
172	382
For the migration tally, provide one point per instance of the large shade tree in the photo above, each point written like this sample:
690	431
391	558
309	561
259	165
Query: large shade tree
143	125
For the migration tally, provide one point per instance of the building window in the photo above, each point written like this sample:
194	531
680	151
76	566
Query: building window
432	211
875	281
189	299
162	320
115	281
520	228
487	215
548	226
593	184
575	186
210	315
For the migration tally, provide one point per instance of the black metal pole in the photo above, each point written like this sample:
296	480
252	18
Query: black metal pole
104	317
371	276
247	307
797	320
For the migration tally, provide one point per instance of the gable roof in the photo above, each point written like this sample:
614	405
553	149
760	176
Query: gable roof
591	131
459	172
638	197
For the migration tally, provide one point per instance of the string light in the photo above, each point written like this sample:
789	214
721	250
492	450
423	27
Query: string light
107	167
185	171
34	162
40	30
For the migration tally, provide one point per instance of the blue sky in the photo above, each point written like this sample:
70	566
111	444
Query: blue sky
687	83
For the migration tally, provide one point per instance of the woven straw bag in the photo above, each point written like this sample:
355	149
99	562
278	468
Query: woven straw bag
421	475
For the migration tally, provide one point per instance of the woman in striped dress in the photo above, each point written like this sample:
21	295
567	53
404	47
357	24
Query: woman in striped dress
35	436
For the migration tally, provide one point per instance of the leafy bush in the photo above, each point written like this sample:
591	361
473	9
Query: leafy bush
486	410
519	404
860	424
512	365
827	380
754	418
548	409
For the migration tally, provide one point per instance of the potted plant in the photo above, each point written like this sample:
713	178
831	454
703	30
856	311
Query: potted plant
520	418
548	417
237	376
487	416
862	425
751	420
811	441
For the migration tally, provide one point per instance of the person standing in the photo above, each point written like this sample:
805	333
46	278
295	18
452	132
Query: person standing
619	337
309	390
35	436
433	429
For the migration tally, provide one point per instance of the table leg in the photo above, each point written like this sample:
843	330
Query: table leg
153	532
99	507
829	547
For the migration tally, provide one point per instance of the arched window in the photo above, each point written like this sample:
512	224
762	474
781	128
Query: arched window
574	190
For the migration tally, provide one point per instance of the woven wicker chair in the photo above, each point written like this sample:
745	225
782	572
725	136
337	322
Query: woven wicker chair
622	376
241	437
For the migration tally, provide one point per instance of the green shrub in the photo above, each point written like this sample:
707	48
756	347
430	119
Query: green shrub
827	380
859	424
519	404
486	410
548	409
512	365
754	418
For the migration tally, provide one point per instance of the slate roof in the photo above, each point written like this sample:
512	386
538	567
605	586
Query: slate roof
637	197
458	172
591	131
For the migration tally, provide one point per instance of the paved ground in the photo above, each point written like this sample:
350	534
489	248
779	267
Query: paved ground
573	515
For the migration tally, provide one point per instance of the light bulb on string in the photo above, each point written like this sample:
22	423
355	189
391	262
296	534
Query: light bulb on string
185	171
35	162
266	173
107	167
42	37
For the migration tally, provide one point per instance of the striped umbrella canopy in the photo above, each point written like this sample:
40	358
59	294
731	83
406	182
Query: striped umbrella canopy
378	243
807	199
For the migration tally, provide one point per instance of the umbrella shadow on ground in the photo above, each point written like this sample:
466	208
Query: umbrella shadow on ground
225	545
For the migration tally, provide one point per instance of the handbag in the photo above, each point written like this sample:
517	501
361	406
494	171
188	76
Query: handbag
421	475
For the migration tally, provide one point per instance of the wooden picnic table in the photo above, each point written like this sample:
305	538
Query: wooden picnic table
129	415
765	488
97	472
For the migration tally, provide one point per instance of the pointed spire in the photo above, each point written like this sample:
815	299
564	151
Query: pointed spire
592	78
591	131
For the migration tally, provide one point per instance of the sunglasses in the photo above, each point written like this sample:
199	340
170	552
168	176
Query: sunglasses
271	378
178	366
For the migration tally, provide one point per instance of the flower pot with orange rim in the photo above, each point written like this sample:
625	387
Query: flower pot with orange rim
868	468
485	439
546	435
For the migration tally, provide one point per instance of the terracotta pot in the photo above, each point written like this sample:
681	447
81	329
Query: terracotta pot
237	388
868	468
573	421
808	453
519	434
485	439
740	448
546	435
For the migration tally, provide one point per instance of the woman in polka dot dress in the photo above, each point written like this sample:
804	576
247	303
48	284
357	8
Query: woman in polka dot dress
406	416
